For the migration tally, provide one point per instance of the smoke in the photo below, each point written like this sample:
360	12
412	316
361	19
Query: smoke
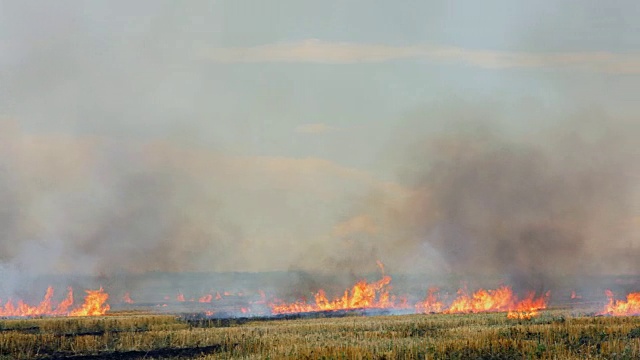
530	207
103	207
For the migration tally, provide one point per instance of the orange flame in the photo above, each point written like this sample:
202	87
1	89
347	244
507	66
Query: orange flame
482	301
46	307
206	298
528	307
65	304
362	295
94	304
430	304
501	299
621	307
180	297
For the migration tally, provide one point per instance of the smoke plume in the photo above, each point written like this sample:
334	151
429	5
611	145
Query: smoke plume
530	207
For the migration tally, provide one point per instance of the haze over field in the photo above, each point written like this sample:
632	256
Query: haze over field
439	138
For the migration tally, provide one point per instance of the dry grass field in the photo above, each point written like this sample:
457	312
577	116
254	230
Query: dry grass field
554	335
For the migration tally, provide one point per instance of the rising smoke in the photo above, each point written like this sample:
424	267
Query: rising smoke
530	208
104	207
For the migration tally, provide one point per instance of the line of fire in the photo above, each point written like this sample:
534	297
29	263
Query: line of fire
367	297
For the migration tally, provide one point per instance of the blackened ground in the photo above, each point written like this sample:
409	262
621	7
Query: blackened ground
184	353
222	320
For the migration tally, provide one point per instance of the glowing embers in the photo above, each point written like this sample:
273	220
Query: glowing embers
499	300
362	295
621	307
94	305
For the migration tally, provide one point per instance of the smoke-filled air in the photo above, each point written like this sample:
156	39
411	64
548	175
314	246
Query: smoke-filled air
305	157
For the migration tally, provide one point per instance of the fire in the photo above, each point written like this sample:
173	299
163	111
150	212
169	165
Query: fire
501	299
430	304
621	307
65	304
180	297
94	304
482	301
127	298
22	309
362	295
206	298
528	307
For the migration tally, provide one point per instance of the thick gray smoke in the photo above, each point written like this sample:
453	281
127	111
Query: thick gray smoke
105	207
530	207
98	206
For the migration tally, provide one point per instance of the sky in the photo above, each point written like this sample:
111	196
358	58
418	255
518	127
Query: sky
265	126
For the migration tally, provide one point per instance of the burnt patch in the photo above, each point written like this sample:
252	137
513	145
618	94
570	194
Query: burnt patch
182	353
218	320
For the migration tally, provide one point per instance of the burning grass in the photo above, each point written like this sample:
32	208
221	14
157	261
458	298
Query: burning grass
376	295
364	295
552	335
628	307
94	305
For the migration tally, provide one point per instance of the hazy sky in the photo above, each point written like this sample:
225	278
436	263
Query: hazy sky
326	92
153	68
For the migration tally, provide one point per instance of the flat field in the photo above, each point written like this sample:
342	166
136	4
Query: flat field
553	335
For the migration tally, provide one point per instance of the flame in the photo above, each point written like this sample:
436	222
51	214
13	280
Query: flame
206	298
430	304
376	295
218	296
481	301
180	297
46	306
362	295
528	307
23	309
65	304
94	304
501	299
127	298
574	295
621	307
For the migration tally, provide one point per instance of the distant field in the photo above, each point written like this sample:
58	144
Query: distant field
555	334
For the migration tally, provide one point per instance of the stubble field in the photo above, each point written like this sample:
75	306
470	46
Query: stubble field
553	335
